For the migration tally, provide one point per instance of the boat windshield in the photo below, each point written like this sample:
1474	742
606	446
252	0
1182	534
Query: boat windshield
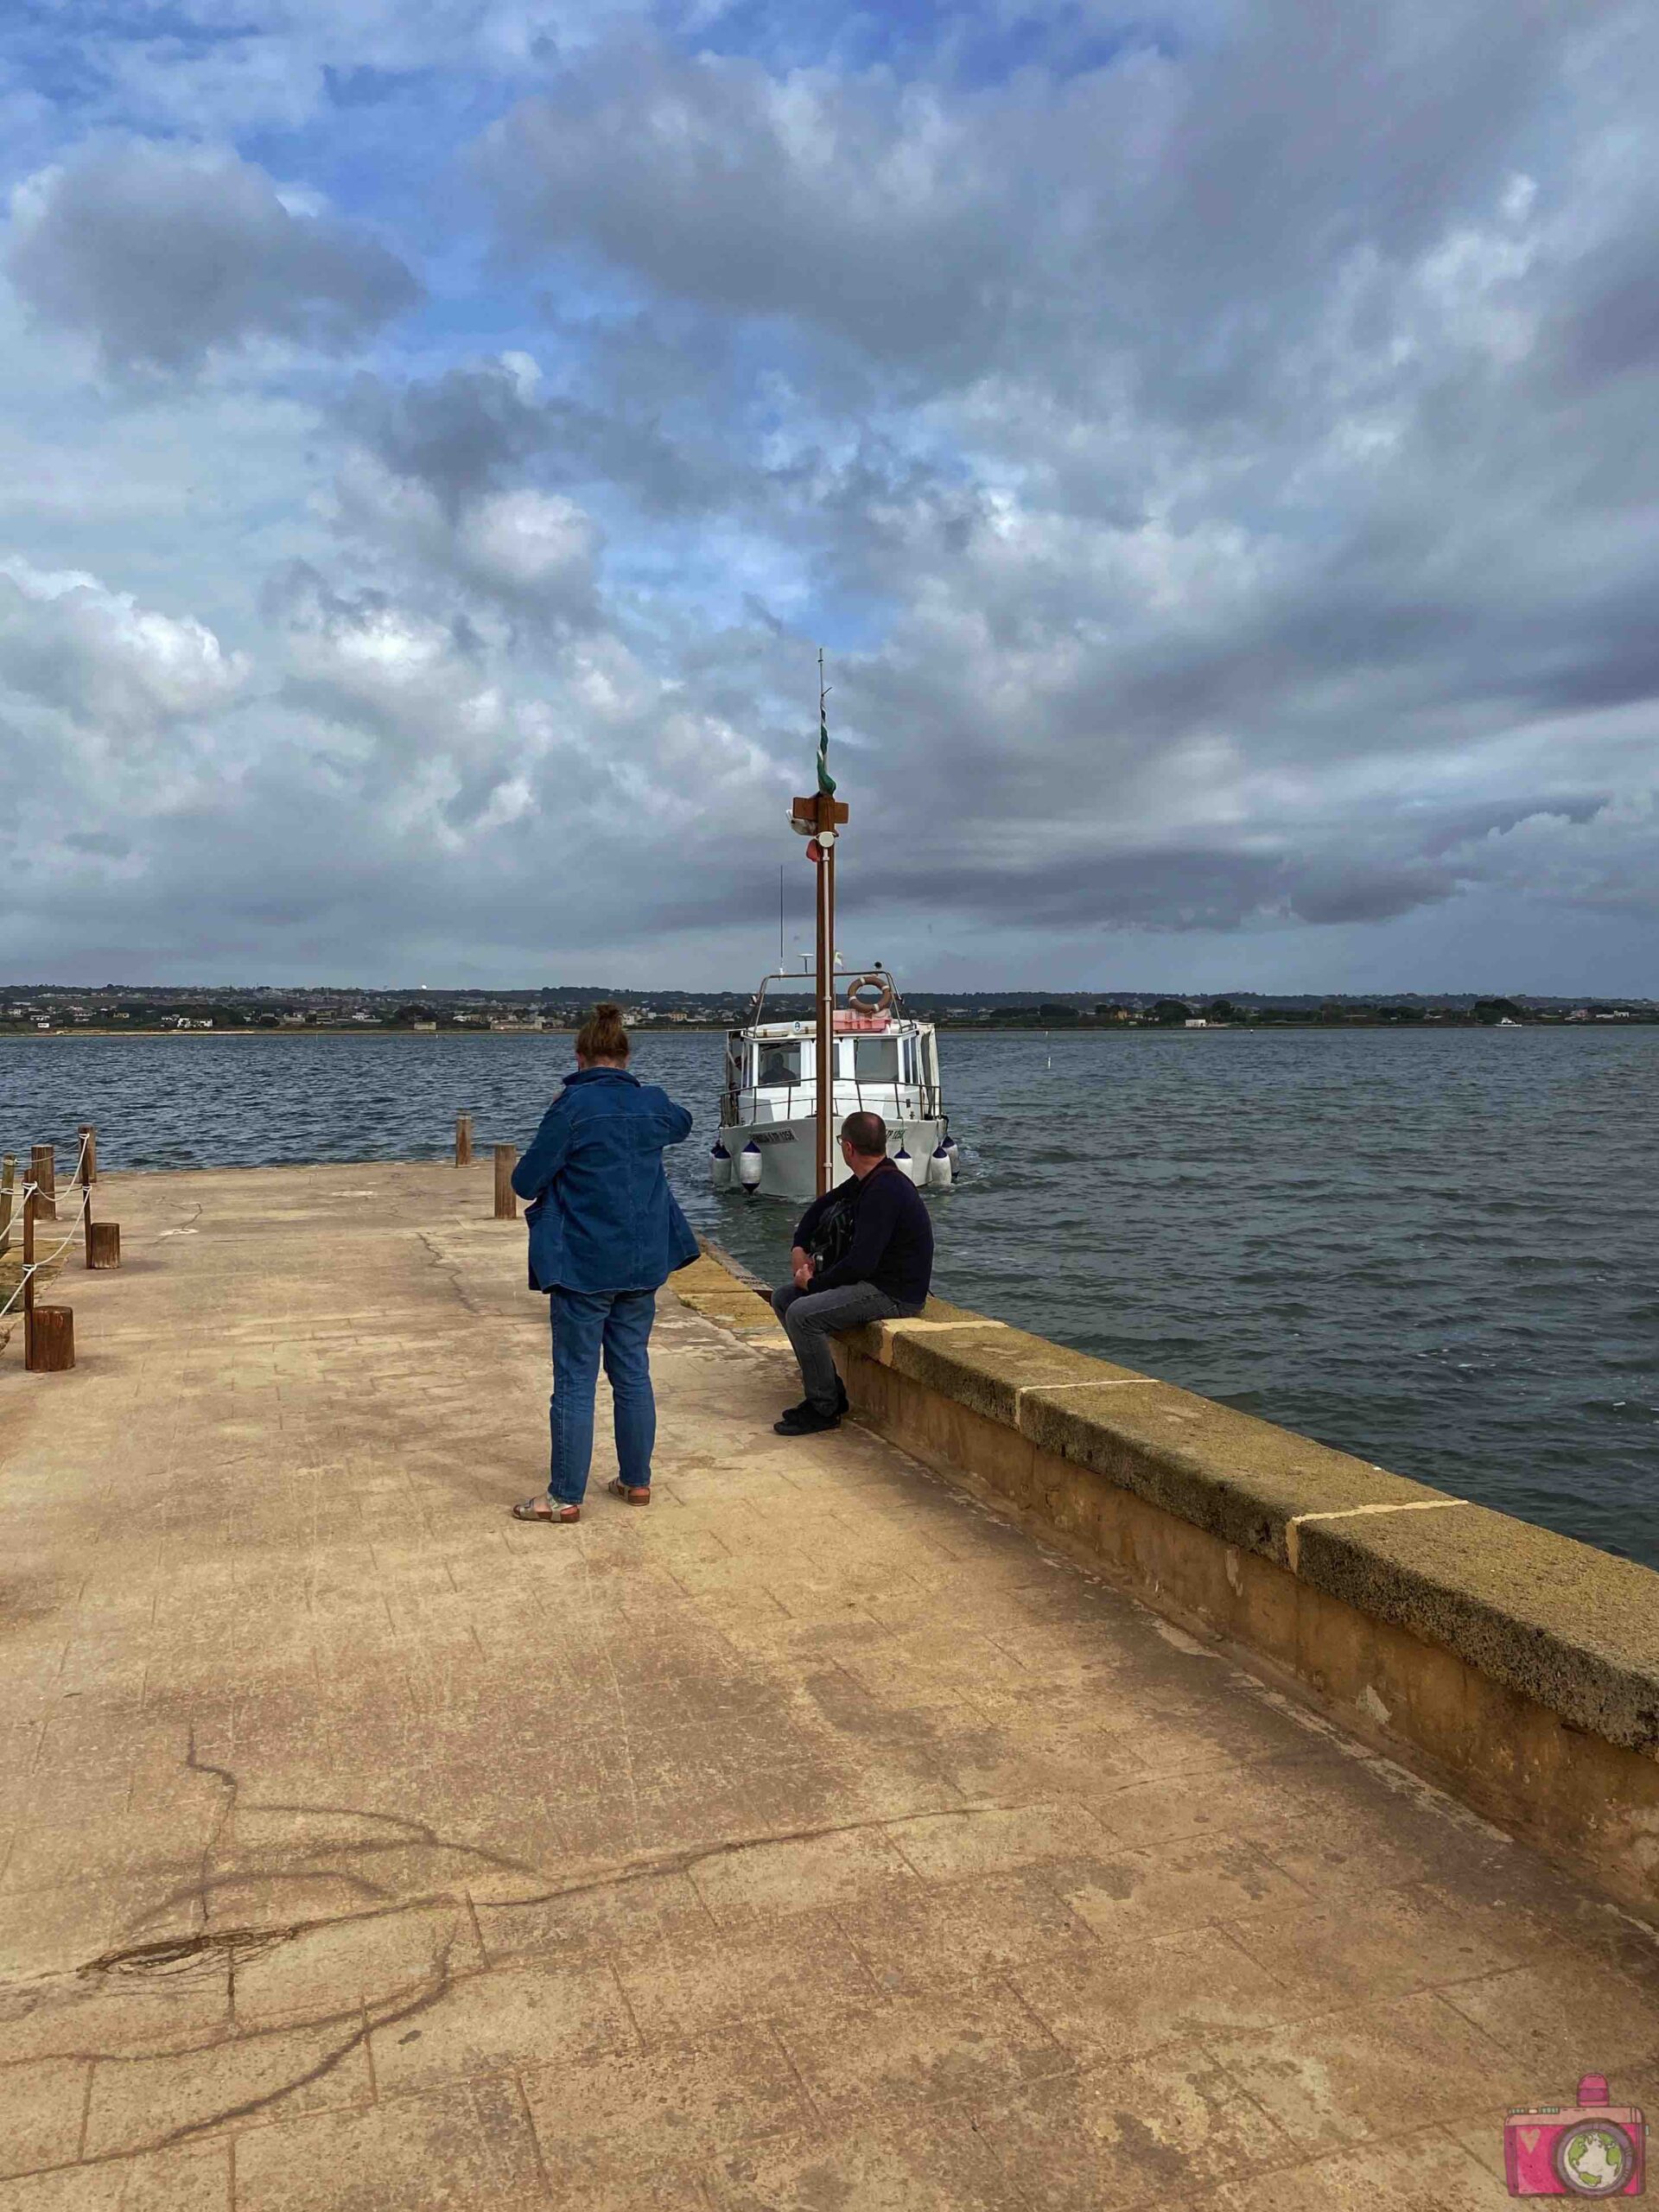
780	1065
875	1060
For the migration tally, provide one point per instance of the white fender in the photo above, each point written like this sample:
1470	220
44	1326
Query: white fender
720	1165
748	1165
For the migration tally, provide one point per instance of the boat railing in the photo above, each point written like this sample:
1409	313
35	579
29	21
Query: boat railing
931	1097
895	1002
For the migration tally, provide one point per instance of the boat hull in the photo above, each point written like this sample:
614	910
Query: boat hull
786	1150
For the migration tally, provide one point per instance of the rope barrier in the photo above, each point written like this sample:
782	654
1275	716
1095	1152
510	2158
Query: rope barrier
85	1200
22	1197
48	1340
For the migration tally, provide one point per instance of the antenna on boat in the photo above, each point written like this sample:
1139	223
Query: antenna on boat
819	817
780	915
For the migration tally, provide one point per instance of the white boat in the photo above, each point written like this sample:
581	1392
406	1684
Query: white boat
887	1063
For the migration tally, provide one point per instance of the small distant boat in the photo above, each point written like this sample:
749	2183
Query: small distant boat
887	1062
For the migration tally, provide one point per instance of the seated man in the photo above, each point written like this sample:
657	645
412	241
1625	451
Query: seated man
863	1253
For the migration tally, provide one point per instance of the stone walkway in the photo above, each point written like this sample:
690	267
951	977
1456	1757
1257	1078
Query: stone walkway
810	1840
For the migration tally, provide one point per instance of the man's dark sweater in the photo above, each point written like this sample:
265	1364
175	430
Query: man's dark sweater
892	1237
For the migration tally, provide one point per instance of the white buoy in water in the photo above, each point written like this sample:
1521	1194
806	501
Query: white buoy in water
748	1165
939	1169
720	1165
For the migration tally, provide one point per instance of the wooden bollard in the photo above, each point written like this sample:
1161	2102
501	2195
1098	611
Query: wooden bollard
43	1174
49	1340
463	1140
48	1331
8	1188
104	1248
88	1137
506	1200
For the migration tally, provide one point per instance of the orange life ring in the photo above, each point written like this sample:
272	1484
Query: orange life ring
883	1005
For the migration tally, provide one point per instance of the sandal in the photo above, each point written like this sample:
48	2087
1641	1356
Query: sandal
543	1509
630	1493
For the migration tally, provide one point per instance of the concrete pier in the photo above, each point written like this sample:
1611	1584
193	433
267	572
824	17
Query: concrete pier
815	1840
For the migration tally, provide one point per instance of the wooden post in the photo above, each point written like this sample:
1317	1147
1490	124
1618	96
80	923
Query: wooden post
8	1186
826	1024
463	1140
506	1203
48	1331
49	1341
105	1250
86	1180
43	1173
88	1137
823	817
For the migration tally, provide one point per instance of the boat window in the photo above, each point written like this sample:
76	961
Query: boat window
779	1064
875	1060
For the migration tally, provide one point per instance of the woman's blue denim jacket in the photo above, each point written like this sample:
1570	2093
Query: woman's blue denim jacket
602	1217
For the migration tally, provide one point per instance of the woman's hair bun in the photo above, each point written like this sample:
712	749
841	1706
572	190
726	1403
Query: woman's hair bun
602	1036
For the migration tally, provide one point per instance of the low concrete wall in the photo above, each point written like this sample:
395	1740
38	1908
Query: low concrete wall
1516	1667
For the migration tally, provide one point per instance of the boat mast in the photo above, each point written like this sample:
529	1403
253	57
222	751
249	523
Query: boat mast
820	817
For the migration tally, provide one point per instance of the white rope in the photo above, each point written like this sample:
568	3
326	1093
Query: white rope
86	1200
36	1266
13	1221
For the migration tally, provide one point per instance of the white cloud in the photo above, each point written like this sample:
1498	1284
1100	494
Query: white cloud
528	542
70	641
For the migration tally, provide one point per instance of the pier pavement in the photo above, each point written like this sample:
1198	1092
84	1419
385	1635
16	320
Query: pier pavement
811	1840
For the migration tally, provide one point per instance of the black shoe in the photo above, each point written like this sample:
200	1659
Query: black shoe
805	1420
843	1403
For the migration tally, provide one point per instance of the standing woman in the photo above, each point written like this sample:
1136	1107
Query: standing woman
604	1235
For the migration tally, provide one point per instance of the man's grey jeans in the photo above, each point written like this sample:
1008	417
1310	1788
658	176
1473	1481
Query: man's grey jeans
812	1317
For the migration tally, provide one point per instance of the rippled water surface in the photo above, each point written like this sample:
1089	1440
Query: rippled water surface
1437	1250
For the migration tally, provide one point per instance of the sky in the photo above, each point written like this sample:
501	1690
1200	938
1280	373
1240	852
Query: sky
1214	443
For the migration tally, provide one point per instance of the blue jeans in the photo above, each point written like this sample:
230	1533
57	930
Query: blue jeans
586	1323
812	1317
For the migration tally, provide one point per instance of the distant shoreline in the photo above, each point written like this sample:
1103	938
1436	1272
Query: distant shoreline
953	1029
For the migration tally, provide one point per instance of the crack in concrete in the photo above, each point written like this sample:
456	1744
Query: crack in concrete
447	1264
175	1955
162	1955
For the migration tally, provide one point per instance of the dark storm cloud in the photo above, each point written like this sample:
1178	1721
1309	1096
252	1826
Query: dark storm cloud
459	433
471	429
1177	204
698	177
163	255
1612	329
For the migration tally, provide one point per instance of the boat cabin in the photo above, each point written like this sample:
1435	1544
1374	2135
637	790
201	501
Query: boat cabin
773	1065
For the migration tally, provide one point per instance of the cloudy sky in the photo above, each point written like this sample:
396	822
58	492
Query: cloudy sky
1216	442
